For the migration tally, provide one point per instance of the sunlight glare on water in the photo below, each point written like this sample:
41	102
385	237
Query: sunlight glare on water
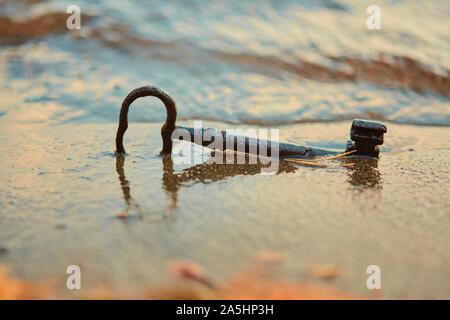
234	61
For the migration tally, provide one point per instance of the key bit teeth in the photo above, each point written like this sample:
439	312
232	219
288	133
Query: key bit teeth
366	136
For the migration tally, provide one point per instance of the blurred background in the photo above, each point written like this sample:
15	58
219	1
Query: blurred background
268	62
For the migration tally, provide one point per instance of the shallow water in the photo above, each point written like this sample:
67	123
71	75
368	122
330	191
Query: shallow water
282	62
234	64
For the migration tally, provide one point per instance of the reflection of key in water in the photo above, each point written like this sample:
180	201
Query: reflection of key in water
125	185
207	173
133	208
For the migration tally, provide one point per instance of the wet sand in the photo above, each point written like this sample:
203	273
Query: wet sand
65	199
144	226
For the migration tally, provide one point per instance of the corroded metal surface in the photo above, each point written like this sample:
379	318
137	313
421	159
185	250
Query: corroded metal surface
229	141
366	134
248	145
166	130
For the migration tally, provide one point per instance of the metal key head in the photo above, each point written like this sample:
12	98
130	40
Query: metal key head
366	137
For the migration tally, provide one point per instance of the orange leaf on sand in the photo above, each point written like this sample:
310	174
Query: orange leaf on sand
325	271
269	257
188	270
185	269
